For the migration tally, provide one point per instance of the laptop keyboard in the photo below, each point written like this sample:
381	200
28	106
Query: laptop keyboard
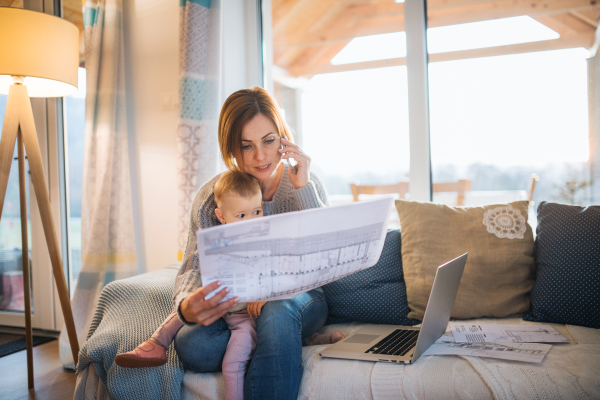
397	343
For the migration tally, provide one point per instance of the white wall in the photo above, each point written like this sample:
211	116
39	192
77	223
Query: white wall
152	59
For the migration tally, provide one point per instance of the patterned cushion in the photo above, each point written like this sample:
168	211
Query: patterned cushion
376	295
567	286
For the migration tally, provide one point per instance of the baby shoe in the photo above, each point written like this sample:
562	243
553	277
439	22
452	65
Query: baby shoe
148	354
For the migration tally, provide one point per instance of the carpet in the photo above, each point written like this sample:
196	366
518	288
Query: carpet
12	343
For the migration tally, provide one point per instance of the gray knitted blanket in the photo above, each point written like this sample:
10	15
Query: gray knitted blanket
128	312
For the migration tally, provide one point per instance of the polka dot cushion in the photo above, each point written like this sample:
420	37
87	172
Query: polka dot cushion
567	286
376	295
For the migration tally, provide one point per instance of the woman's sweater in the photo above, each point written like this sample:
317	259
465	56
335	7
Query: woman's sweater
203	216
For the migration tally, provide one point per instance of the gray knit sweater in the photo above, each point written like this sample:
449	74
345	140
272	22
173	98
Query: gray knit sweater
203	216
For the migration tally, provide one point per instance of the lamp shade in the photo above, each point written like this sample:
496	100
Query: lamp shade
41	48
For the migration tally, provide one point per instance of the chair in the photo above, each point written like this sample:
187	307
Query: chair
461	187
401	188
534	179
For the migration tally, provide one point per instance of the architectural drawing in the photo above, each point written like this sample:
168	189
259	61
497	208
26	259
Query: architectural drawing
262	259
493	333
526	352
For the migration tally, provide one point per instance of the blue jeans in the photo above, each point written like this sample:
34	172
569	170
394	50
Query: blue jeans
276	368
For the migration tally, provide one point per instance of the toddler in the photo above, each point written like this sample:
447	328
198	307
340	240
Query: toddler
239	198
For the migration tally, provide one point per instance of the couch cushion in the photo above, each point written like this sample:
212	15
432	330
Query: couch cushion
500	268
567	286
376	295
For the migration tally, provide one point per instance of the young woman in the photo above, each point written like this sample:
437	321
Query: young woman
253	138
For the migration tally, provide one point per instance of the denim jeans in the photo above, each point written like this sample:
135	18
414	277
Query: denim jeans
276	368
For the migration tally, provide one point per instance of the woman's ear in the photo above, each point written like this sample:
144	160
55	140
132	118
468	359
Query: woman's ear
219	215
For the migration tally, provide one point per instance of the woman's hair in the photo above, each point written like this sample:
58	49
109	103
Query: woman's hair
238	182
239	109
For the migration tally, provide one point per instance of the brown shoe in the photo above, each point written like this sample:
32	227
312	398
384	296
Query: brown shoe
148	354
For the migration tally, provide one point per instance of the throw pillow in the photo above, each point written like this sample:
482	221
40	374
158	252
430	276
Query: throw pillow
500	269
376	295
567	286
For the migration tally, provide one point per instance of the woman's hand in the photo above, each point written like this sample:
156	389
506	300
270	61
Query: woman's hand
197	310
254	308
302	176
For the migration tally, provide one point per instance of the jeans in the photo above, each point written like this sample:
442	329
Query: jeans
276	368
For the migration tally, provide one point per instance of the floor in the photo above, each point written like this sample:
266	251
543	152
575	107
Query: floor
50	379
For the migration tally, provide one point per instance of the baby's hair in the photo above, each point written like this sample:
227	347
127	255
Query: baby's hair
240	183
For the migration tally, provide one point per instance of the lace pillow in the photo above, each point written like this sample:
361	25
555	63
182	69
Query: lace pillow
500	268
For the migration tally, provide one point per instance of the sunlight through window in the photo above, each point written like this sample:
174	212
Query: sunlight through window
475	35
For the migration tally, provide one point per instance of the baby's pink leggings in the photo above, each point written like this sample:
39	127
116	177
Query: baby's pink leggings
240	348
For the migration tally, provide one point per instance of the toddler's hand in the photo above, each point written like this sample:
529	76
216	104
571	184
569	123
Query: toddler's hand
254	308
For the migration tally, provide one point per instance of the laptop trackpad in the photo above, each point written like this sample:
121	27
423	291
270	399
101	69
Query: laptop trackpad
361	338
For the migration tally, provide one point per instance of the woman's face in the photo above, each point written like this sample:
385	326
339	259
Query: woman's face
260	145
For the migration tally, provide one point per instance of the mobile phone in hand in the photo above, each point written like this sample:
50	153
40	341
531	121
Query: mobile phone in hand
293	166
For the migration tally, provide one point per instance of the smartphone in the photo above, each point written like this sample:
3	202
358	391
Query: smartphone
294	168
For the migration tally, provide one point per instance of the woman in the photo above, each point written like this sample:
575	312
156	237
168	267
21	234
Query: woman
253	138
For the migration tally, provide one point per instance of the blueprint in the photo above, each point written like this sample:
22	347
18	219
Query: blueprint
281	256
526	352
492	333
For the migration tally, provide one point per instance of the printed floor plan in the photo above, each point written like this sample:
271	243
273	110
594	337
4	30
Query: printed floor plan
281	256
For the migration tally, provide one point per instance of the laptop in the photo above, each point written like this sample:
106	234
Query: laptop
405	344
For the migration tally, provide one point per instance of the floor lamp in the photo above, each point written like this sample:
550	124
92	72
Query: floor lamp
39	57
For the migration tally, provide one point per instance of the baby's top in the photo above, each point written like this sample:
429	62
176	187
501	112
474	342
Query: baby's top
239	198
286	199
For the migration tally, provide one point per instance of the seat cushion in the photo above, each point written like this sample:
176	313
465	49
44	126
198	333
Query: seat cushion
375	295
567	286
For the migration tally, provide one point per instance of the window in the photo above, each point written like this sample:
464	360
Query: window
508	97
335	104
508	101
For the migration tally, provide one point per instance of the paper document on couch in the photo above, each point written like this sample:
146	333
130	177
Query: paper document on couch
281	256
492	333
526	352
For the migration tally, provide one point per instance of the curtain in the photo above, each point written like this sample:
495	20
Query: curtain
199	103
593	70
107	233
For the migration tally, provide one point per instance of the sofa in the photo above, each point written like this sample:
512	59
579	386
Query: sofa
129	310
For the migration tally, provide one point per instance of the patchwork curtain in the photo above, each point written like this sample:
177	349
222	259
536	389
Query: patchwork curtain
199	103
107	233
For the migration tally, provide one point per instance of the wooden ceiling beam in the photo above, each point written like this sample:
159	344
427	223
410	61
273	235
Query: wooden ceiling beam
483	11
574	23
585	18
11	3
556	44
440	13
556	26
590	16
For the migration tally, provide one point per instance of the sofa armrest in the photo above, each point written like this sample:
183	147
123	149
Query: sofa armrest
128	312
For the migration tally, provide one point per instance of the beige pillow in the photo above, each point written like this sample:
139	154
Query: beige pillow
500	269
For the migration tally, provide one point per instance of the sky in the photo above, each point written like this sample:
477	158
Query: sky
525	109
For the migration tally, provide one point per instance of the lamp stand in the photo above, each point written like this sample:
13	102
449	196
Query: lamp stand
19	123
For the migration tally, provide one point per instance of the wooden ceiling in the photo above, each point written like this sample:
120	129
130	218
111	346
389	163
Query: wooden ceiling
11	3
307	34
